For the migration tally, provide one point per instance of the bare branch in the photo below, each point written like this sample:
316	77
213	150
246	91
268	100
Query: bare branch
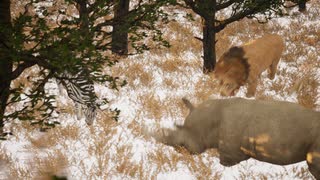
21	67
233	18
40	87
4	44
200	39
28	61
226	4
192	5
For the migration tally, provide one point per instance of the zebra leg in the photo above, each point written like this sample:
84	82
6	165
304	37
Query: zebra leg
60	86
90	114
78	109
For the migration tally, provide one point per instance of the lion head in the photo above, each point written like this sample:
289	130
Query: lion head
232	71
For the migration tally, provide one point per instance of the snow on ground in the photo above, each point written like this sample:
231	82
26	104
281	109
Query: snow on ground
110	150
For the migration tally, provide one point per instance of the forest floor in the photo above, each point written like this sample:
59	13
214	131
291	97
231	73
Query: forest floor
157	80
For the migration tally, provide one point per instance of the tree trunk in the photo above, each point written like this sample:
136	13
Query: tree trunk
209	38
120	29
84	16
302	5
5	61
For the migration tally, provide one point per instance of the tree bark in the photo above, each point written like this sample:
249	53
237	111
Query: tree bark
302	5
5	61
209	38
120	29
84	16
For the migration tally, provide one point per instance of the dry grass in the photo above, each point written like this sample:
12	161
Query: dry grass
152	106
53	164
31	74
125	166
171	65
205	88
16	172
44	141
108	142
170	83
138	75
307	91
171	162
53	136
4	162
181	38
66	108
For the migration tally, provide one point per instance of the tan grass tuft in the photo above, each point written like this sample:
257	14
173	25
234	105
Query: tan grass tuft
127	167
19	172
182	39
65	108
152	106
54	164
134	73
307	92
206	87
44	141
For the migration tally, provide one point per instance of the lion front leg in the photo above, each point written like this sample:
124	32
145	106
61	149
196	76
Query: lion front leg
252	86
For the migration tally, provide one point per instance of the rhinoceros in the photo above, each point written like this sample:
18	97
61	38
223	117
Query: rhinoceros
277	132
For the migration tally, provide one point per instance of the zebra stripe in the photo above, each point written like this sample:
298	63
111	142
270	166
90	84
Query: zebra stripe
81	90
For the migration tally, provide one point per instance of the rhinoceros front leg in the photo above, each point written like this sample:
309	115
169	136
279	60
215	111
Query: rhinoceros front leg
230	159
230	154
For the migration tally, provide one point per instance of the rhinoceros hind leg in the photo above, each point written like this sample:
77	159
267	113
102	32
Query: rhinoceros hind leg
313	161
314	170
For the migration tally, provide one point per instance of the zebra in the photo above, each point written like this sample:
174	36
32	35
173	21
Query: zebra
81	90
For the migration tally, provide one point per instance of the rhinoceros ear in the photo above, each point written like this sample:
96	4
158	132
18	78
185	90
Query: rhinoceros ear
188	104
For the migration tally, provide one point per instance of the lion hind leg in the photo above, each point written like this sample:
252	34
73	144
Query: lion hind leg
273	69
231	160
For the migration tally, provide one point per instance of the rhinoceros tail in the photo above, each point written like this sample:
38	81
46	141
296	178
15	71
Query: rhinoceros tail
188	103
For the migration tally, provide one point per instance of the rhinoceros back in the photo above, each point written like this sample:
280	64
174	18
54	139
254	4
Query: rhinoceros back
268	130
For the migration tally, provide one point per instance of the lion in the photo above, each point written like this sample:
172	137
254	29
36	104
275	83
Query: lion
244	64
